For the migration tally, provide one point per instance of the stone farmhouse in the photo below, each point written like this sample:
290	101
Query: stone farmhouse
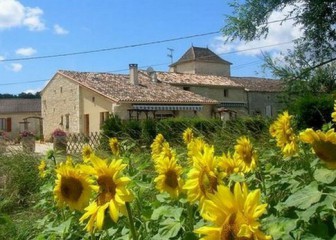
18	114
198	84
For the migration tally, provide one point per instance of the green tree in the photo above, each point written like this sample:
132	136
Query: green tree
317	17
309	66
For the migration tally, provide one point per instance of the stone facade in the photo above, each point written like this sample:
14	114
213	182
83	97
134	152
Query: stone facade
264	103
61	106
76	107
17	126
205	68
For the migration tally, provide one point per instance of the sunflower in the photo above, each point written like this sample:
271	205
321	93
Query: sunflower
157	146
42	168
324	144
244	151
203	178
282	131
230	164
188	135
195	148
233	215
86	152
333	115
112	193
114	146
169	176
73	187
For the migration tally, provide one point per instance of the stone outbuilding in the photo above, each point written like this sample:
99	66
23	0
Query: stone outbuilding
17	114
79	102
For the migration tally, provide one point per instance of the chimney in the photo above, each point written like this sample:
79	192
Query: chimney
133	68
153	77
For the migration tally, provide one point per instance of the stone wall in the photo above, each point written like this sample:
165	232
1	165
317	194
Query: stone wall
17	127
60	102
206	68
264	103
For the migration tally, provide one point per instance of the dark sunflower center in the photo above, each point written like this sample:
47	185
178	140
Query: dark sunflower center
87	153
71	188
326	151
208	183
171	179
107	189
230	230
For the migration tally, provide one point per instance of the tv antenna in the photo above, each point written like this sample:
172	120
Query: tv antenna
170	54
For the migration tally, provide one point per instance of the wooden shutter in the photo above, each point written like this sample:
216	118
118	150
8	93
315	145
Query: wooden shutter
9	124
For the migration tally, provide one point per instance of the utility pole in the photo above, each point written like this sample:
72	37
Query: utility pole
170	54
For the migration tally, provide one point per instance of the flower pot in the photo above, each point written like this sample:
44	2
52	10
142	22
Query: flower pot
60	143
28	144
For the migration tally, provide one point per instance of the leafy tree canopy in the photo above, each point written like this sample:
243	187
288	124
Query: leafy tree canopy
317	18
310	66
20	95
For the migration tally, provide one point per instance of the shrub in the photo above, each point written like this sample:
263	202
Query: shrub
58	133
148	130
313	111
27	133
20	176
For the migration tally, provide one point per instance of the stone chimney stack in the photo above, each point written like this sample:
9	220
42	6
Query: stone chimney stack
133	74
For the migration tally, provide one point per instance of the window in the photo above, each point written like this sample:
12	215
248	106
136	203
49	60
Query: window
93	99
61	89
226	92
103	117
67	121
186	88
6	124
3	124
61	123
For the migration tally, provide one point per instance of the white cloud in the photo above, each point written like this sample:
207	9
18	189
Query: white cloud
278	34
16	67
33	19
2	58
14	14
25	51
60	30
33	91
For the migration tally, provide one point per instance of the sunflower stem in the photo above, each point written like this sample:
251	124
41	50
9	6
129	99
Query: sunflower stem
131	221
190	209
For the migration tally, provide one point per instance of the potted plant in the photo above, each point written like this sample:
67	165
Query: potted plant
27	141
59	140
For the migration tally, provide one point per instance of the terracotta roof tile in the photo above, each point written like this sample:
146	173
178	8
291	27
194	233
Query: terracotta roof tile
254	84
19	105
118	88
200	54
196	79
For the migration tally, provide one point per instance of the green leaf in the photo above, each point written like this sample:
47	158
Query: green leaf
305	197
167	211
237	177
278	227
325	175
190	236
170	229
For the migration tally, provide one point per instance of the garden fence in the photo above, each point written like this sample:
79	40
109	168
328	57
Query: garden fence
76	141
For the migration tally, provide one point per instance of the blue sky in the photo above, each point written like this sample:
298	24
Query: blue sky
36	28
